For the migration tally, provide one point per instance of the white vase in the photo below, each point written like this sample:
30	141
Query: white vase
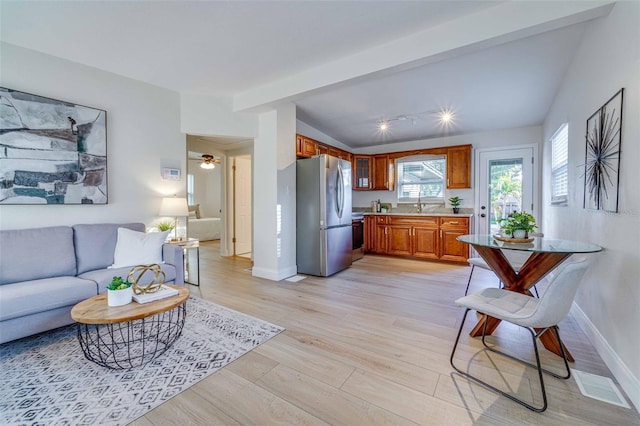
119	297
519	234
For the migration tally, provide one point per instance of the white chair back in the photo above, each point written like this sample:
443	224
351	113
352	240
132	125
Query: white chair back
556	301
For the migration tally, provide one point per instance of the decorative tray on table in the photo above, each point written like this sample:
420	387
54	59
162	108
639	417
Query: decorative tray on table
512	240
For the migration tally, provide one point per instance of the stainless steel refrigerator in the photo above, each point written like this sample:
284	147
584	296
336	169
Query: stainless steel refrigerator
323	199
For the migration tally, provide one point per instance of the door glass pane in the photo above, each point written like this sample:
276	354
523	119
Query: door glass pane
505	190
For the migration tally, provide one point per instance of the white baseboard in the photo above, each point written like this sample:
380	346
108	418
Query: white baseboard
629	383
274	274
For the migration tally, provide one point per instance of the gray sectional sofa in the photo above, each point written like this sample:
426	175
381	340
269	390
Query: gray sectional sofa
45	271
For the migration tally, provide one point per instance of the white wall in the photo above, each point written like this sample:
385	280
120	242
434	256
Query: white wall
143	136
207	188
212	116
607	60
274	195
307	130
509	137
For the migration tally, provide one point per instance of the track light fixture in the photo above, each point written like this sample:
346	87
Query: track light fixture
445	117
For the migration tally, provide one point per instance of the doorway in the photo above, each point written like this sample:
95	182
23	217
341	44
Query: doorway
507	182
242	223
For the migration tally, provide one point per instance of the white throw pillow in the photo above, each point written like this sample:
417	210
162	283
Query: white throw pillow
138	248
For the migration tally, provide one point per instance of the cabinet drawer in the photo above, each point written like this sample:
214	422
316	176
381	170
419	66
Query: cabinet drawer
414	220
454	222
381	219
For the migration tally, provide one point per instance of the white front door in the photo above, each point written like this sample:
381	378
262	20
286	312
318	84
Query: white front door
242	205
506	183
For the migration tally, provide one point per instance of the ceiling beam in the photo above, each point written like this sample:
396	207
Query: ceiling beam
508	21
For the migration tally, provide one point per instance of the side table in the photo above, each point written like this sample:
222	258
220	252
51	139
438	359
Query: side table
191	247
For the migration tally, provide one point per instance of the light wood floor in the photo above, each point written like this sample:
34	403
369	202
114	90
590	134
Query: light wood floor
371	345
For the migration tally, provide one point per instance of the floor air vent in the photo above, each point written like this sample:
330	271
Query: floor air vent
600	388
295	278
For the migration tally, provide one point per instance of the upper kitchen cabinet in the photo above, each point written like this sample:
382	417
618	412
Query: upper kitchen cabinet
383	173
459	167
373	172
307	147
362	172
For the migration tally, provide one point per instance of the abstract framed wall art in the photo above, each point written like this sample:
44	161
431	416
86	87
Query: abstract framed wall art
602	156
51	151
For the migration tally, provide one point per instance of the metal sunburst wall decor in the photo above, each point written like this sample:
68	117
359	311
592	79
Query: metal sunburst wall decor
602	156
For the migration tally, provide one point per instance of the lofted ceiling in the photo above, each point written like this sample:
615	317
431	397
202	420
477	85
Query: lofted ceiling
226	48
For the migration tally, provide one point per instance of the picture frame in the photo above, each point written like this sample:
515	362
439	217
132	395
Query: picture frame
51	151
602	156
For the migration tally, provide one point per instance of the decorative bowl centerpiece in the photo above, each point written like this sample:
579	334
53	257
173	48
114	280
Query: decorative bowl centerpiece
517	226
119	292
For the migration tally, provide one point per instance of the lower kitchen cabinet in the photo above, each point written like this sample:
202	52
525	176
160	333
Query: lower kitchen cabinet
424	237
450	247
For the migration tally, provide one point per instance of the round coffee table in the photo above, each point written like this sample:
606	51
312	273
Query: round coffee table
128	336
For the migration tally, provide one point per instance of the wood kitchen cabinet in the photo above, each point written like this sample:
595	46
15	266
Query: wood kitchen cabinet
307	147
382	172
423	237
373	172
413	236
459	167
450	247
362	172
370	234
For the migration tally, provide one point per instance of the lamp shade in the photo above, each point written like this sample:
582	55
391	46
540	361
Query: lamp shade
174	206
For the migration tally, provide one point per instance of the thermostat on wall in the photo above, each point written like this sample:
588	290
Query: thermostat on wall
170	174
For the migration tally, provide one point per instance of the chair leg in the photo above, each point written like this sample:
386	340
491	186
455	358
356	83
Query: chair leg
523	362
469	282
538	366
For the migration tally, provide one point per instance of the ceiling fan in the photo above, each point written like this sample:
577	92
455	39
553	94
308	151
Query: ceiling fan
209	161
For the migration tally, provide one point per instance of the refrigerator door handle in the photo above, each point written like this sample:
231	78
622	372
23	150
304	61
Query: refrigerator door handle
339	194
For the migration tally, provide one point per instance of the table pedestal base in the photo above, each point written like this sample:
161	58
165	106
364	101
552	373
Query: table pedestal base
129	344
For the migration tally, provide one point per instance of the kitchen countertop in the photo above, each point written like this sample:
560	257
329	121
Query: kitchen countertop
420	214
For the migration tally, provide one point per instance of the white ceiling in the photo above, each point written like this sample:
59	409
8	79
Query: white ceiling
231	47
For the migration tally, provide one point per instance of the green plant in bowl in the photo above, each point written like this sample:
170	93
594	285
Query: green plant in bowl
519	221
117	283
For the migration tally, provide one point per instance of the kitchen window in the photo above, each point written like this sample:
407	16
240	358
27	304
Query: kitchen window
422	177
559	165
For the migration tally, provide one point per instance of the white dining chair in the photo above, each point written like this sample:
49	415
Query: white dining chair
530	313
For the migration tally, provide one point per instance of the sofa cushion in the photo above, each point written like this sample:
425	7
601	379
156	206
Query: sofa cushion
104	276
95	244
35	253
138	248
30	297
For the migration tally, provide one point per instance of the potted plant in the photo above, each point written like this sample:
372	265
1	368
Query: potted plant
519	224
165	226
119	292
455	203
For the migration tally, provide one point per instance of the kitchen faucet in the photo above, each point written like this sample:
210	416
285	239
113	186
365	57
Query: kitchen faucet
419	206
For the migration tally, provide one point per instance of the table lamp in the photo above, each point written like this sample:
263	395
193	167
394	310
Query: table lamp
174	206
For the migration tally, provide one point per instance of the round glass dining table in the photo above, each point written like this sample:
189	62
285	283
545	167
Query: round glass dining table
545	255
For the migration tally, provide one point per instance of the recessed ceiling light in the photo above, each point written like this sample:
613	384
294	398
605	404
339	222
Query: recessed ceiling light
446	116
383	126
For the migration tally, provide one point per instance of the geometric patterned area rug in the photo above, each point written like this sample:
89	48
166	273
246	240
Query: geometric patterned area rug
45	379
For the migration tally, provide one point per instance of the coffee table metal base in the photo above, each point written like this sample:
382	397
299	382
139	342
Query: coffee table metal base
129	344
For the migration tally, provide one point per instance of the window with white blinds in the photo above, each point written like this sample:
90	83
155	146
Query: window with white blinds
421	178
559	165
